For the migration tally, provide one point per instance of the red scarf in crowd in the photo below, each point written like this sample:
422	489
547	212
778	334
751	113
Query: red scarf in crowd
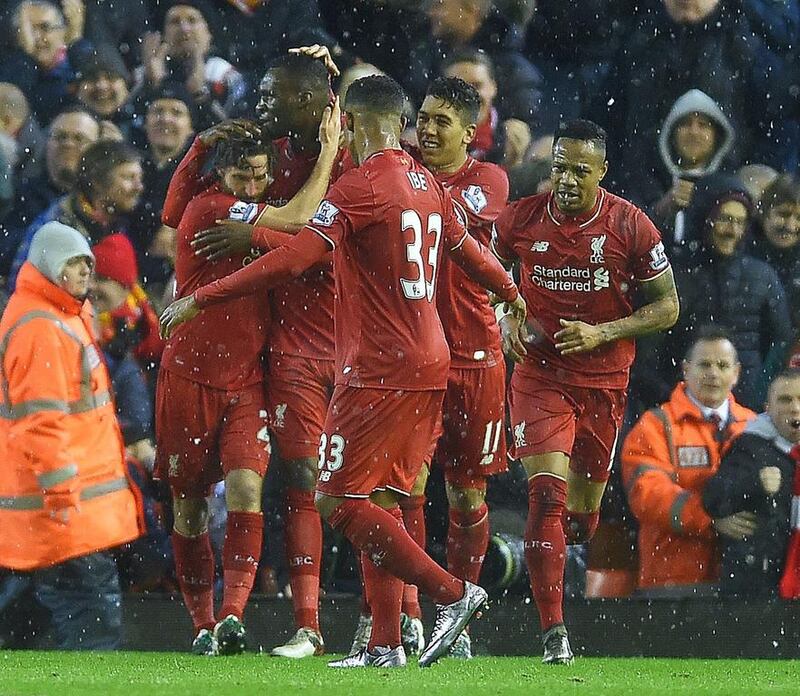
789	586
137	318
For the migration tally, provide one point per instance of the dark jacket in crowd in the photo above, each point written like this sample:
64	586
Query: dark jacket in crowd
131	397
659	60
787	263
753	567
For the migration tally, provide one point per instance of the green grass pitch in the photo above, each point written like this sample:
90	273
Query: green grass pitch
173	674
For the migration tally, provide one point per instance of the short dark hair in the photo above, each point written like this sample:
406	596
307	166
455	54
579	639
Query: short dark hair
706	333
308	73
462	96
582	129
470	55
98	161
378	94
787	373
782	189
236	150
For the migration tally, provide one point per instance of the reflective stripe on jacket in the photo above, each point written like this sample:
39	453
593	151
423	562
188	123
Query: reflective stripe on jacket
63	485
666	460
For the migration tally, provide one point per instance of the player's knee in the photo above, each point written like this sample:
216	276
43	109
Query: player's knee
190	515
326	505
301	474
465	499
579	527
243	491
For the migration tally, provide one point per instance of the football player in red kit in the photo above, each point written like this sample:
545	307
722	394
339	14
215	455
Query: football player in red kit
387	222
582	252
299	384
211	413
472	446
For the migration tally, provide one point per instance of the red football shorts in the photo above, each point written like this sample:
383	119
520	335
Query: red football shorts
473	441
376	439
203	433
298	393
581	422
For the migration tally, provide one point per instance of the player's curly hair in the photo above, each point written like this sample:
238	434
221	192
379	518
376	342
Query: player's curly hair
234	151
462	96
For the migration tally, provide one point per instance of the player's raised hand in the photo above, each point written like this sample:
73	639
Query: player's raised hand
237	127
318	52
331	125
229	237
513	334
578	337
177	313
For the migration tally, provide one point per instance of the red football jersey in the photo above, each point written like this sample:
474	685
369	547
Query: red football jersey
468	319
222	347
580	268
388	221
302	322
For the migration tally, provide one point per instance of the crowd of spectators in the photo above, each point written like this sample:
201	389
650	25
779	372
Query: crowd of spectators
100	100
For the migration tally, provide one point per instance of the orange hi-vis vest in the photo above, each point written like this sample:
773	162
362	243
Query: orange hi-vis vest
666	460
64	491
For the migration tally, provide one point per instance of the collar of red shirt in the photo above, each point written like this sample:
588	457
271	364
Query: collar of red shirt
583	220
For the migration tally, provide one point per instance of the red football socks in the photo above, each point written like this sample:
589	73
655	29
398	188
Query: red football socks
194	566
467	539
383	538
579	527
545	546
413	509
240	555
385	592
304	552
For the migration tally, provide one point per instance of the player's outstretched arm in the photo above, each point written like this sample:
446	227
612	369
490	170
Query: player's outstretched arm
660	313
280	265
296	213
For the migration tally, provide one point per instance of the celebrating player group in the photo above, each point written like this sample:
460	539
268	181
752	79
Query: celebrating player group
334	317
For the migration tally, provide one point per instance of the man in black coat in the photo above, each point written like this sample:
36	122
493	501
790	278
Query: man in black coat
755	477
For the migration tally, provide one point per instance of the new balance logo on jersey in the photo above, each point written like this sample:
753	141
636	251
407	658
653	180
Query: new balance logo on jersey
601	278
243	211
326	214
596	246
540	246
475	198
519	435
280	416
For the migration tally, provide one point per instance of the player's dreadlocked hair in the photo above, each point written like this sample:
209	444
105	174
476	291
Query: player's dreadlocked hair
581	129
462	96
378	94
235	150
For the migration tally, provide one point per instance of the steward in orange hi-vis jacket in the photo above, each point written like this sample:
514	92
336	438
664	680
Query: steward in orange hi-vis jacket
666	460
64	493
63	489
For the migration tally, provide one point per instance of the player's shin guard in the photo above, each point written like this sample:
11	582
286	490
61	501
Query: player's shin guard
194	567
579	527
413	509
545	546
467	539
240	556
304	552
375	532
385	592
